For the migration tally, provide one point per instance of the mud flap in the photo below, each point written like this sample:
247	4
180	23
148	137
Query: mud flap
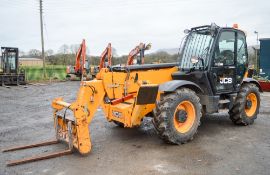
147	94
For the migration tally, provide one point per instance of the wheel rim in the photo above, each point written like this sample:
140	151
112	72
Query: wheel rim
251	104
184	123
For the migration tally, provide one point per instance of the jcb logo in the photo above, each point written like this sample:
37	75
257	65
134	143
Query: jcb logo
225	80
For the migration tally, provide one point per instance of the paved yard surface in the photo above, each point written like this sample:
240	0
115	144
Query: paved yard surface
219	147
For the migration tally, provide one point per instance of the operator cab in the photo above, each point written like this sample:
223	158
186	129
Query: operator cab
9	67
215	58
9	60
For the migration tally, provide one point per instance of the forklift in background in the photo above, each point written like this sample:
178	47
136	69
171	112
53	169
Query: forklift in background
10	74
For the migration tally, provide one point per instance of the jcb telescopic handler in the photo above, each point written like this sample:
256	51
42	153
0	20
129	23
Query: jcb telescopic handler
210	75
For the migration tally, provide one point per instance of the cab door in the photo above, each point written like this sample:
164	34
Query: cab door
223	69
241	58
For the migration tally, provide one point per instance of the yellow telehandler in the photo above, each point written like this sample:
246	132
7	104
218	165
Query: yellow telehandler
210	76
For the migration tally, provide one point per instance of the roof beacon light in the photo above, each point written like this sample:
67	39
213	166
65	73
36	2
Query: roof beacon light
235	26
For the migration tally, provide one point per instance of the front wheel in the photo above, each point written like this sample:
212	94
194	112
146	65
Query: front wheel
177	117
246	106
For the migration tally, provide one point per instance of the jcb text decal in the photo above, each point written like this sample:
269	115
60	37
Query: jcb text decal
225	80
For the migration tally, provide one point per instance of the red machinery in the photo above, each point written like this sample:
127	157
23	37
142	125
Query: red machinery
107	53
80	69
105	61
265	85
138	50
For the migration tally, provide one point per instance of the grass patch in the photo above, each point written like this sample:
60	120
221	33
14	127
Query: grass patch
35	73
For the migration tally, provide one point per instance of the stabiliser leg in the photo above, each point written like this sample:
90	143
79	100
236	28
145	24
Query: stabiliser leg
35	158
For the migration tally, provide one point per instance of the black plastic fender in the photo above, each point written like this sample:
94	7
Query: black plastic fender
171	86
251	80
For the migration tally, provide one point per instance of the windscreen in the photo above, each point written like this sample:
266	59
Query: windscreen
11	59
198	44
1	64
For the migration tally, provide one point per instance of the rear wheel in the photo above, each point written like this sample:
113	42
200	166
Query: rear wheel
246	106
177	116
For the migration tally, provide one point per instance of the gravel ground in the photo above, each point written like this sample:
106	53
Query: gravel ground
219	147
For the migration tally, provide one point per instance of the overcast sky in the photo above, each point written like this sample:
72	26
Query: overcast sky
124	23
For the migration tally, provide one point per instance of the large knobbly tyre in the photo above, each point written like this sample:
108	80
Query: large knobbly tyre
177	116
246	106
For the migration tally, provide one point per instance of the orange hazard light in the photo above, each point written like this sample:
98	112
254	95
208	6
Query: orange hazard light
235	26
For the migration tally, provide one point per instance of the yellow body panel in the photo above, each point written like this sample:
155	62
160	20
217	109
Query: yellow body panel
116	83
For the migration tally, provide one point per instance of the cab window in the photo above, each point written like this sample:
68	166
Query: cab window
224	51
241	49
241	56
12	61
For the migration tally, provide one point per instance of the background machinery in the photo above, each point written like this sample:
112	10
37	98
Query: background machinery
210	76
134	53
81	68
105	61
136	56
10	74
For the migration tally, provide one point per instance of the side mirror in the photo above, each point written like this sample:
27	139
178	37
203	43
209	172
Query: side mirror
186	31
194	60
